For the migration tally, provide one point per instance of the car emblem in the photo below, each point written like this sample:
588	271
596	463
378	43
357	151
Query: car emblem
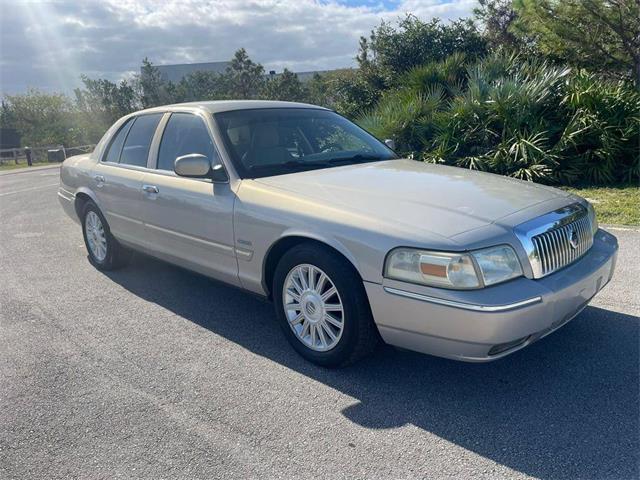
573	238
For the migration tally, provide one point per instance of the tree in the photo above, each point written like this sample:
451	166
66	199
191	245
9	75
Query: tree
348	91
153	90
245	78
285	86
201	85
42	119
497	18
99	104
392	51
599	35
106	98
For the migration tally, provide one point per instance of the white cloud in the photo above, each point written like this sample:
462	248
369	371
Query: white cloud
48	44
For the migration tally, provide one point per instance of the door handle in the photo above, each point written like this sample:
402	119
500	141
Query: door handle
150	189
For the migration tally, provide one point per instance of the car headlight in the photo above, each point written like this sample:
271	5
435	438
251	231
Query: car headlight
592	218
497	264
453	270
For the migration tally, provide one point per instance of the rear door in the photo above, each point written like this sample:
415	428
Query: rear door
118	176
189	220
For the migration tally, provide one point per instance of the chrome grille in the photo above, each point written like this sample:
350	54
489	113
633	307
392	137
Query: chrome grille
556	239
562	246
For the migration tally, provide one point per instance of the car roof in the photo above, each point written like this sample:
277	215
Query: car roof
216	106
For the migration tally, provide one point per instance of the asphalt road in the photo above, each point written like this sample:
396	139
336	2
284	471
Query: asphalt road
156	372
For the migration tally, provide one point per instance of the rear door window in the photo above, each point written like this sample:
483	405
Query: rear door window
138	141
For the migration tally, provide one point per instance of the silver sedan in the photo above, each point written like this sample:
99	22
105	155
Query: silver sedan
351	243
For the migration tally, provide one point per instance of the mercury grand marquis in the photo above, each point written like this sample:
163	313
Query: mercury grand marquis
351	243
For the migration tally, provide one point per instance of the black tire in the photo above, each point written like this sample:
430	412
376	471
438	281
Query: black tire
360	335
116	256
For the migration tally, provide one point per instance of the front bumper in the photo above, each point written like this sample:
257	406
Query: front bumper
487	324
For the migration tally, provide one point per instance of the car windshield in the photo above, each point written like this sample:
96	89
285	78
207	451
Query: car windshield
275	141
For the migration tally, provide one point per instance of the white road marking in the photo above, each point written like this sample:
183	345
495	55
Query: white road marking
29	189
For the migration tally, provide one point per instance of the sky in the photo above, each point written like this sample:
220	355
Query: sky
48	44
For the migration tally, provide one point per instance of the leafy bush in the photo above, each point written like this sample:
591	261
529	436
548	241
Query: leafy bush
523	118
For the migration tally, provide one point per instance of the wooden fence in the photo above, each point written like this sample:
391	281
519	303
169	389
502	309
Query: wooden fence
42	154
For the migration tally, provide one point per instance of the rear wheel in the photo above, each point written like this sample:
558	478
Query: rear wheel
105	253
322	306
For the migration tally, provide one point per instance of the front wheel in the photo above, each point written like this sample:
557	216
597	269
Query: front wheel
322	306
105	253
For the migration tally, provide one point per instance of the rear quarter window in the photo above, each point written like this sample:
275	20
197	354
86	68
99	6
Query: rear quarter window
115	147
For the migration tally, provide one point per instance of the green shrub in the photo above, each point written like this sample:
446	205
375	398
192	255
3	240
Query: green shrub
513	116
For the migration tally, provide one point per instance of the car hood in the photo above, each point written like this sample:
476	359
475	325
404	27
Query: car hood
444	200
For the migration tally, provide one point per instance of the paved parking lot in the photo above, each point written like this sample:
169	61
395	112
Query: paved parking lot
156	372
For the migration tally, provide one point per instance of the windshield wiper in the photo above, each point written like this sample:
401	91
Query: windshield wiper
295	164
290	165
302	163
360	157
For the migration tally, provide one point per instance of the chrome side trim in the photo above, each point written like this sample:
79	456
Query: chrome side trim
244	254
123	217
66	194
219	246
462	305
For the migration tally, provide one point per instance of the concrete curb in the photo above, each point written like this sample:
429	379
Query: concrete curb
630	228
30	169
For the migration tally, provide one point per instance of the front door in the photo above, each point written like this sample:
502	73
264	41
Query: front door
189	220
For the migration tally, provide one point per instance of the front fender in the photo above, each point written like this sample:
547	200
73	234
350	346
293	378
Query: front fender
318	236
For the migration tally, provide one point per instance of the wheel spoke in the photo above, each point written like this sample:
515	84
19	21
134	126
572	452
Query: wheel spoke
303	281
305	329
293	306
312	278
332	320
296	285
321	281
327	329
298	319
323	339
313	335
329	293
293	294
333	307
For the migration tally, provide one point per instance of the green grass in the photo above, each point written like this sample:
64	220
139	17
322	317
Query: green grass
10	165
619	205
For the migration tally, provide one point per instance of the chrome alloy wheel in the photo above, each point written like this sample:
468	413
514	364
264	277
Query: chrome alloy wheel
313	307
96	236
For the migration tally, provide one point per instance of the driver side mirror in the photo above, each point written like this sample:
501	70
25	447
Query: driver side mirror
196	165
